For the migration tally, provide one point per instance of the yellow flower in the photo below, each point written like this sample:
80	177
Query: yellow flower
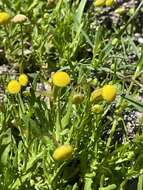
97	108
120	10
19	18
96	95
4	18
60	79
99	3
63	152
109	3
77	98
13	87
109	92
23	79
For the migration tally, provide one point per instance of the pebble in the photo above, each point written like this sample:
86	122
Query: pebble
4	69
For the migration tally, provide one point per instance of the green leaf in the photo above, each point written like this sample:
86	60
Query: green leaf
87	38
79	12
66	118
109	187
33	5
138	105
140	182
88	183
75	187
5	155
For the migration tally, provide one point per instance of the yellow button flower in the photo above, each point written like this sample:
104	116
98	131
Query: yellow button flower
23	79
60	79
4	18
109	3
96	95
99	3
63	152
120	10
109	92
13	87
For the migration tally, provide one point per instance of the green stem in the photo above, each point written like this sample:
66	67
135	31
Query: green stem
7	42
102	180
21	69
59	111
111	135
133	80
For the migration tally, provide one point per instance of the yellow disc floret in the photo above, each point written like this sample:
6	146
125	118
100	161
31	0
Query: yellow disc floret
13	87
4	18
63	152
61	79
109	92
23	79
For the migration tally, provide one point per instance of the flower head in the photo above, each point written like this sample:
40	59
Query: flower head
19	18
109	3
99	3
61	79
13	87
63	152
4	18
77	98
109	92
97	108
23	79
120	10
96	95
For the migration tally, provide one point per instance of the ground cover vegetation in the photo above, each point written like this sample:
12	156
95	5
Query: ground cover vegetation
71	95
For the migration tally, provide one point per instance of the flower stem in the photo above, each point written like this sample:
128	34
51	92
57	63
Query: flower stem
21	69
111	135
7	42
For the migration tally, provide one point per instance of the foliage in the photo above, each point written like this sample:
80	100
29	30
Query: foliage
69	36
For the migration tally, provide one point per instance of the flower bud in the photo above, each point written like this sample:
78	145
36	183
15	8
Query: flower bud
114	41
120	10
97	108
96	95
77	98
63	152
109	3
99	3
